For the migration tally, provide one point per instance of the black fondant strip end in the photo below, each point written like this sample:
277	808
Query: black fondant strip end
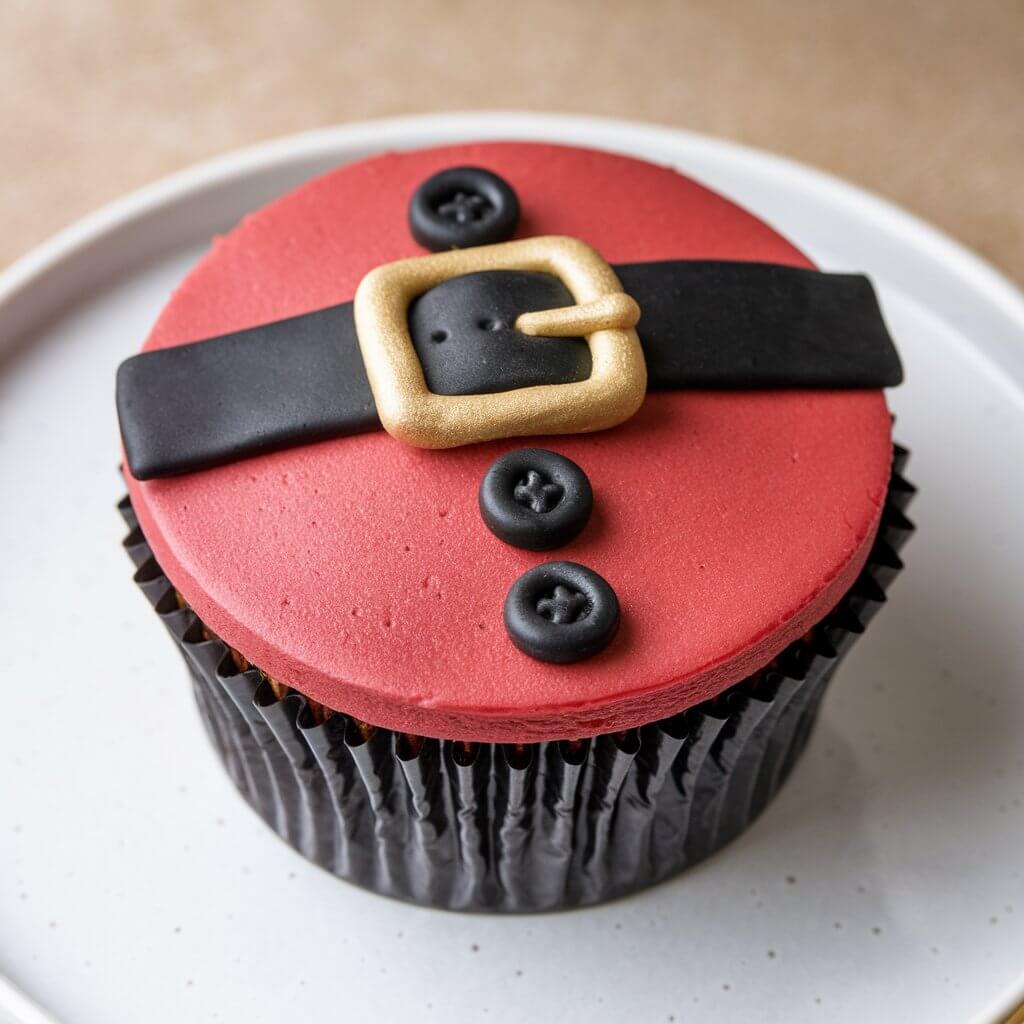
259	390
745	326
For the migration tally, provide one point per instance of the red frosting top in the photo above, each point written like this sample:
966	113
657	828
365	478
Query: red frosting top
359	570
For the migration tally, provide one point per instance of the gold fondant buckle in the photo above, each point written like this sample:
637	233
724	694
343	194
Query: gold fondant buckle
604	315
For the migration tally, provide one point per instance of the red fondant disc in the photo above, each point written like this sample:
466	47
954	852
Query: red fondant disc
359	570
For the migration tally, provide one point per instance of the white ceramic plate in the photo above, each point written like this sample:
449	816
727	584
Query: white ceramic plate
886	883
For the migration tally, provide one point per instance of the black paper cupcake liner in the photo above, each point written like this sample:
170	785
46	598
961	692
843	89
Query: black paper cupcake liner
539	826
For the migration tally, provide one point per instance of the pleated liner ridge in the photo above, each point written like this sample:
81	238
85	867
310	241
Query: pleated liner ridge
541	826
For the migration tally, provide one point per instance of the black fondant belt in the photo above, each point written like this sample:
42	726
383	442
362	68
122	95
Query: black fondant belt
429	333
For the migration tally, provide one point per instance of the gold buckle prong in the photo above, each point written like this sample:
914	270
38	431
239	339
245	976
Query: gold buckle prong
604	315
614	311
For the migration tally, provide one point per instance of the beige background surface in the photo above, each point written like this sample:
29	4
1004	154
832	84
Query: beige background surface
920	100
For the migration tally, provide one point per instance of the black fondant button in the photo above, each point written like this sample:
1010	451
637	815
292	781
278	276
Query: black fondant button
561	612
535	499
462	207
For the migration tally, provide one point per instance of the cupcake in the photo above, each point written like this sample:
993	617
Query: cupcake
512	506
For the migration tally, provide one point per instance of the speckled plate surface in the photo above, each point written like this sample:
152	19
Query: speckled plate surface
885	883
